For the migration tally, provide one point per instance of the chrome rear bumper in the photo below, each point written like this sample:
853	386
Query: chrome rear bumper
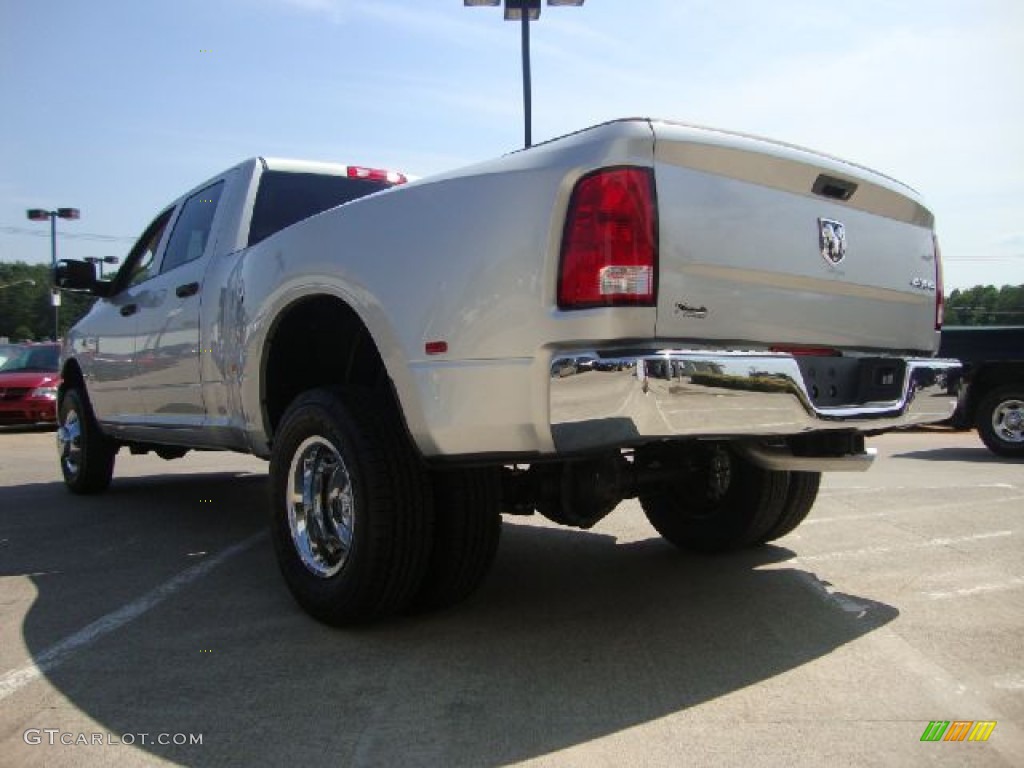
599	400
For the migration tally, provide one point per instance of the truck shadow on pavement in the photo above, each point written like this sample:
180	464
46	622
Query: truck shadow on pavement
574	637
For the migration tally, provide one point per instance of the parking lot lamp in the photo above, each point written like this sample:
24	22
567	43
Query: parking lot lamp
514	12
40	214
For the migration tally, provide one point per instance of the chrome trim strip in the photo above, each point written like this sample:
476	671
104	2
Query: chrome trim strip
602	401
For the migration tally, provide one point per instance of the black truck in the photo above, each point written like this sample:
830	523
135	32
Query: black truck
991	386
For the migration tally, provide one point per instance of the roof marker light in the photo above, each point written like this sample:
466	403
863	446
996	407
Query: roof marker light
376	174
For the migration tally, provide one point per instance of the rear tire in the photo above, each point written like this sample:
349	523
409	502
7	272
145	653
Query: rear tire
467	528
720	502
351	513
1000	420
86	455
800	498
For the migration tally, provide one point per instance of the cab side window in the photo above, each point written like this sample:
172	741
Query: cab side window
144	265
138	264
192	229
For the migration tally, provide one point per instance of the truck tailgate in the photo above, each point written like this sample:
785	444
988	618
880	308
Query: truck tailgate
768	244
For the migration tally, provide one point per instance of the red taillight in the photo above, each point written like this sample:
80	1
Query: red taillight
376	174
610	245
940	299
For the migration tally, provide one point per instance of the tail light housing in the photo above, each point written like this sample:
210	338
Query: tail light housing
609	255
940	298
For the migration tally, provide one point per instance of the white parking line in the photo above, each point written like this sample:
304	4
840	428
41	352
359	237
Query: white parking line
904	509
842	518
944	542
839	491
1001	586
1011	682
57	654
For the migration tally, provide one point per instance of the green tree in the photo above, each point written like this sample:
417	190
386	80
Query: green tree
986	305
1010	305
25	306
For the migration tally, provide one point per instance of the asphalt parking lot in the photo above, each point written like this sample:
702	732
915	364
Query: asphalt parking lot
153	614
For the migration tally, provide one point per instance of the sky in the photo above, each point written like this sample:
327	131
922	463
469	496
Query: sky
117	107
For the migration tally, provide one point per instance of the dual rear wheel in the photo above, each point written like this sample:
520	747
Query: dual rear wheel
719	501
360	527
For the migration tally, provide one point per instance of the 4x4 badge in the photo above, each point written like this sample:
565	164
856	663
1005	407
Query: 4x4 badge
832	240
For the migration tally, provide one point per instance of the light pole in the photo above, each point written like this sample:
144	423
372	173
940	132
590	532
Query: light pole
514	12
40	214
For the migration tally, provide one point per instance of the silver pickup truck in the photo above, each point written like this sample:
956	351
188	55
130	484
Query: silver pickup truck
703	320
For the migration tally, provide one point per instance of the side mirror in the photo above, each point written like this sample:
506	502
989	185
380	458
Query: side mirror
78	276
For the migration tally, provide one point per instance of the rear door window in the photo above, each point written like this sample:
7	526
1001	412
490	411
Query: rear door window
286	198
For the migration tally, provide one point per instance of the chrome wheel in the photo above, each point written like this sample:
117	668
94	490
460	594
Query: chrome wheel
85	454
69	442
350	507
1008	421
321	507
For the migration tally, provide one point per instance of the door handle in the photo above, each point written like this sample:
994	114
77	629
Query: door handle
129	309
186	290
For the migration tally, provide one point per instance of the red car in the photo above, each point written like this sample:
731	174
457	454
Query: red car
28	385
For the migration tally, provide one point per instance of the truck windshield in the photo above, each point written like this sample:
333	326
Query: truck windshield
286	198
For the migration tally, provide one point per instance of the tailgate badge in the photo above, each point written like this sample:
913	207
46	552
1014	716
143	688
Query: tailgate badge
687	311
832	240
924	284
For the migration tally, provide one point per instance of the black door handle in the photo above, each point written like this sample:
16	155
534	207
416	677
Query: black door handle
186	290
129	309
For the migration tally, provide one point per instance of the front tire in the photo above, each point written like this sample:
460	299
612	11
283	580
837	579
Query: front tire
351	513
86	455
720	501
1000	420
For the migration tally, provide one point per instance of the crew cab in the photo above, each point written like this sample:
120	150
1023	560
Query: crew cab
701	319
